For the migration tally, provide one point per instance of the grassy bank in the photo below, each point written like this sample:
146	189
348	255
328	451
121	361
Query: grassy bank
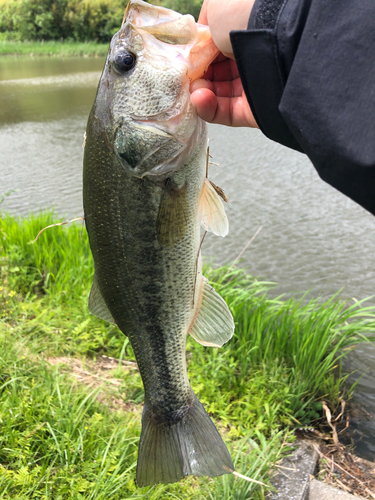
53	48
62	439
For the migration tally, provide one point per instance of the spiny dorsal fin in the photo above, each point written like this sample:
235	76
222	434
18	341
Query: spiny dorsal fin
97	306
213	323
213	216
172	220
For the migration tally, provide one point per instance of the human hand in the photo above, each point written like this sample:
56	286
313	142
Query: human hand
220	97
223	16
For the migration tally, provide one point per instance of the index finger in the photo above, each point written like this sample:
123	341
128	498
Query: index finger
224	69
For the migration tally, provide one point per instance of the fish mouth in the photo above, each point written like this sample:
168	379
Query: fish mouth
187	39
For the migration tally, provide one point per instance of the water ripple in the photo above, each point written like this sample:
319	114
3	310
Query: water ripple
84	79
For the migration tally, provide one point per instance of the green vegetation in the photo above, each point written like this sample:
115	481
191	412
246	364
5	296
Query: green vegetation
61	440
71	20
192	7
60	19
53	48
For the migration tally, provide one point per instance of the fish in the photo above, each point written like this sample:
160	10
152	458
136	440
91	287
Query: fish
146	196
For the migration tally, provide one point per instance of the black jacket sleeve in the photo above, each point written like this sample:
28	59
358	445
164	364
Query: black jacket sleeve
308	70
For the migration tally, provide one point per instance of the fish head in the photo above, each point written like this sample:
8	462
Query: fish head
143	102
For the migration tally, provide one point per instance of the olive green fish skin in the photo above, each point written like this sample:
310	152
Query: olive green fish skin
148	288
144	189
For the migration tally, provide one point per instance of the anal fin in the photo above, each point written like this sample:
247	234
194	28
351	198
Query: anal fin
97	305
213	323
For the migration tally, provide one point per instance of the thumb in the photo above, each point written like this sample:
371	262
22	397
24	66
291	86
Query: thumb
203	13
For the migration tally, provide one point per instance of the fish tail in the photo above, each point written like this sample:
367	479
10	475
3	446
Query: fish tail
191	446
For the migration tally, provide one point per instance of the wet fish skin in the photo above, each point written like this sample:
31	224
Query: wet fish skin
144	175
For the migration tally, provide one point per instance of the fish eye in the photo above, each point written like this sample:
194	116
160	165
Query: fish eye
124	60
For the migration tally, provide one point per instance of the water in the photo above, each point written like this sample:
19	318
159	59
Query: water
44	105
312	237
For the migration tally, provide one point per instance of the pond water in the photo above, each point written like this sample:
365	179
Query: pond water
311	236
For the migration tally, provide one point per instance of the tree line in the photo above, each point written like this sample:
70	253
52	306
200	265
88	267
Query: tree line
73	20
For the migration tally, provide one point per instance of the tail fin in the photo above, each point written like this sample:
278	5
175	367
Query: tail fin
191	446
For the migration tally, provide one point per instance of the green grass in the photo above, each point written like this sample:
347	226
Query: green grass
53	48
59	441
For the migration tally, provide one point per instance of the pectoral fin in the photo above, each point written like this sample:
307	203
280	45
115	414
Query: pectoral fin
172	220
213	323
97	306
213	216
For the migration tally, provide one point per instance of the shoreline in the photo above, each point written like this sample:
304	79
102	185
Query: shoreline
53	49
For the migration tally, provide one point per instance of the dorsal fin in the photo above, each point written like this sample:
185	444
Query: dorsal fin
97	306
212	324
213	216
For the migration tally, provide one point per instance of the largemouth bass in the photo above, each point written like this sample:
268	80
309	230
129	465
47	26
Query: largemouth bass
145	195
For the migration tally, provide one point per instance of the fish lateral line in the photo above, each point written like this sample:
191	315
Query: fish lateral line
196	266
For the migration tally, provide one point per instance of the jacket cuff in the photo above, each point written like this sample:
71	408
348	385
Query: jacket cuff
264	66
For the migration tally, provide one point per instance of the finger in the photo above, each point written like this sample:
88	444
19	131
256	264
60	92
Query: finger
224	70
203	13
232	88
234	112
209	75
201	84
206	103
220	89
220	57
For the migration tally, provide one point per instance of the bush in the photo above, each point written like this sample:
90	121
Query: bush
78	20
61	19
